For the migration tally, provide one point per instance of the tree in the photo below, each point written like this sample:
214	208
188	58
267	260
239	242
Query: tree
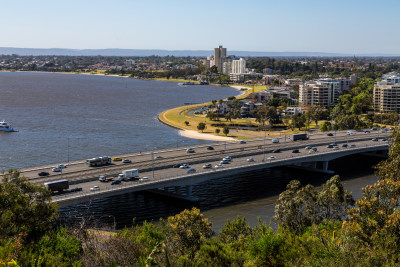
326	126
189	229
201	126
217	131
226	130
187	123
299	207
24	207
390	168
298	121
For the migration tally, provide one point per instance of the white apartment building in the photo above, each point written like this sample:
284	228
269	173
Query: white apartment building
238	66
386	96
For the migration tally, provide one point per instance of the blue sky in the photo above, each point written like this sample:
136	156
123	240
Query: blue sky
352	26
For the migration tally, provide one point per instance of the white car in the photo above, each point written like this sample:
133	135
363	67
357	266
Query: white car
271	158
61	166
56	169
184	166
250	160
95	188
144	179
227	158
190	150
218	166
275	140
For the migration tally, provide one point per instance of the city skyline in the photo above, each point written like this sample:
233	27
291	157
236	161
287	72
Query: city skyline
350	27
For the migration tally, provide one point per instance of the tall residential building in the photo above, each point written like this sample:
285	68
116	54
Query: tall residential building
387	93
315	94
219	57
238	66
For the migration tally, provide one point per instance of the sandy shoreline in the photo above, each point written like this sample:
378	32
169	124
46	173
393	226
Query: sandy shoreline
204	136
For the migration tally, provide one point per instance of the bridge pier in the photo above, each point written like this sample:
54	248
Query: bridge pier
176	193
313	166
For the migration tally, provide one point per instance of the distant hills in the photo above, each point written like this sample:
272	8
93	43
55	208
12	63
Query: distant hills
177	53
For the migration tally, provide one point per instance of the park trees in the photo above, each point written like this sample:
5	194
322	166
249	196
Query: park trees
225	130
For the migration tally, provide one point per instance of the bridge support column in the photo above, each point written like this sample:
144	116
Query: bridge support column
325	165
189	189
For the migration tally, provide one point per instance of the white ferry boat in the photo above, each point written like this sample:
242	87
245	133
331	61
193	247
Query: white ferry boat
4	127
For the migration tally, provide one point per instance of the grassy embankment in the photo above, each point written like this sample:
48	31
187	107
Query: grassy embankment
176	117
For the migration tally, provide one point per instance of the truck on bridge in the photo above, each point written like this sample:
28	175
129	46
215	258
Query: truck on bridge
128	174
301	136
58	185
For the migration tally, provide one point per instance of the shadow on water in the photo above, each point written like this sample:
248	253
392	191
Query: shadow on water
219	197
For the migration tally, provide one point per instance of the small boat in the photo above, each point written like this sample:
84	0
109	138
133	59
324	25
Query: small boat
4	127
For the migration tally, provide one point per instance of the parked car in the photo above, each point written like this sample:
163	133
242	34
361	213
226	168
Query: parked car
95	188
250	160
56	169
271	158
75	189
115	182
210	148
43	173
116	159
218	166
242	142
190	150
191	171
275	140
207	166
184	166
295	151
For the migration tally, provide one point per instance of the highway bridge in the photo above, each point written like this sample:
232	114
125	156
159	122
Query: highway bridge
164	179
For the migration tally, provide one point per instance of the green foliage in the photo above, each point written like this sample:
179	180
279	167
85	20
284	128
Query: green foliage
57	248
299	207
325	126
201	126
390	168
186	123
24	207
189	229
217	131
225	130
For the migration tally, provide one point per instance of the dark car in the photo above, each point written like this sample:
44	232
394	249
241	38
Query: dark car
176	165
344	145
276	150
115	182
333	144
330	146
75	189
330	134
295	151
374	139
242	142
43	173
210	148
